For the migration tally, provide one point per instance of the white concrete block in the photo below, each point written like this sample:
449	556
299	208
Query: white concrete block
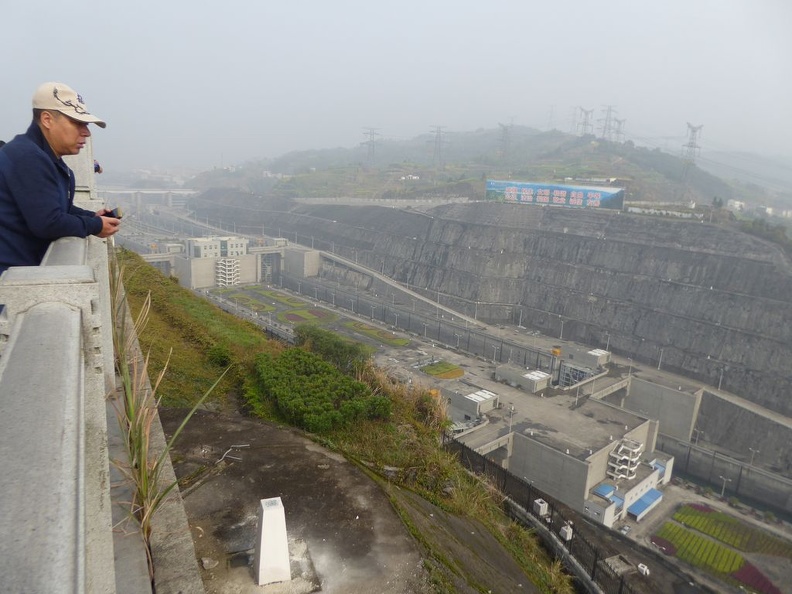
272	546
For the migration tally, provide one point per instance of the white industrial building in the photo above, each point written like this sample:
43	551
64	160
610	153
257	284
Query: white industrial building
207	262
594	457
217	247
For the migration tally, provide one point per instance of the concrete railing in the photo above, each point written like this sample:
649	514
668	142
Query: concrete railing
59	501
56	367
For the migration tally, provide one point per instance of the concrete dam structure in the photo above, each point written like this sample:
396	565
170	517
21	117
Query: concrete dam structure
704	301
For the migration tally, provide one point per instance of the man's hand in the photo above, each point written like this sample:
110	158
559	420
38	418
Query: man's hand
109	226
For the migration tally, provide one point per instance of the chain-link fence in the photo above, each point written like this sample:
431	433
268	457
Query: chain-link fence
590	558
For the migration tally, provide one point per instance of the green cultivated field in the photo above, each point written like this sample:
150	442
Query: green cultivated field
712	541
443	370
701	551
242	295
383	336
315	316
731	531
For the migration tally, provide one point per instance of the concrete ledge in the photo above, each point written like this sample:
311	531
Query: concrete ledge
42	440
67	250
53	275
82	290
56	371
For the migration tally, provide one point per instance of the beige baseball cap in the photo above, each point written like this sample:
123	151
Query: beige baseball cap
59	97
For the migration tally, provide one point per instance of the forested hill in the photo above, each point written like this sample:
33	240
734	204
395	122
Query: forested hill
457	165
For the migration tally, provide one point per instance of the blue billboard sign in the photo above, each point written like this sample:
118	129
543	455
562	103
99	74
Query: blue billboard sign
555	194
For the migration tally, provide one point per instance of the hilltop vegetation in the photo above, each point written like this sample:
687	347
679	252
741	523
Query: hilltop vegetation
457	164
416	168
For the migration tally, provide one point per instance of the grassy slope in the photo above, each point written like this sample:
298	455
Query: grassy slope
186	327
190	326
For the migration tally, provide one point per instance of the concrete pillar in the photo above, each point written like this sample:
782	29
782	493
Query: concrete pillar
272	545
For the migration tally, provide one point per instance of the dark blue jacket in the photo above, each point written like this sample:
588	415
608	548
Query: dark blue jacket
36	201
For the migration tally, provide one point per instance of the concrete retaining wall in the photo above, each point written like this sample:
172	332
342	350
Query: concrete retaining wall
675	410
743	480
714	300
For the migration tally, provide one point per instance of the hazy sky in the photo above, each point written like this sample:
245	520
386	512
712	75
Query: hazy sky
199	83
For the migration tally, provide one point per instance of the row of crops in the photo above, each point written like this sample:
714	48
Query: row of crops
700	551
710	540
732	531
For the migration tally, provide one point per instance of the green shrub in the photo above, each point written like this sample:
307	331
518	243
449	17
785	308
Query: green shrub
345	355
219	355
313	394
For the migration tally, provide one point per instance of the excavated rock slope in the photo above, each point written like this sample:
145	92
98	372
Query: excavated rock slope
716	301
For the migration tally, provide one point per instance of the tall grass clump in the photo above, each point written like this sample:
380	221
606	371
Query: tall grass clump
137	410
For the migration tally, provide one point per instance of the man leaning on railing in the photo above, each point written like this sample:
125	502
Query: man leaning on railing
37	187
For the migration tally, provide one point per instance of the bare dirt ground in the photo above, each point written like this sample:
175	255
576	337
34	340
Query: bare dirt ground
344	534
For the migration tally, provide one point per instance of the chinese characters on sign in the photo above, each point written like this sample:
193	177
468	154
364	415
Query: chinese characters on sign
556	195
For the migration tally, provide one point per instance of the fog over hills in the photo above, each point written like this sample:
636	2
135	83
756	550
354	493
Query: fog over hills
507	152
773	173
201	85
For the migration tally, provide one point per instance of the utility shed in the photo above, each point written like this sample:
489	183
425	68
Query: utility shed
597	358
475	404
593	358
530	380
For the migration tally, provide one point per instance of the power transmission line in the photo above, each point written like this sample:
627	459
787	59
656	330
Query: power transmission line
505	141
437	154
608	127
371	144
585	126
619	132
691	147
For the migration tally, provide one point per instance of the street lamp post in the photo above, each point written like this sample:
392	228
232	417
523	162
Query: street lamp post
494	353
753	453
720	379
607	342
660	360
457	337
561	334
511	415
396	315
723	489
424	325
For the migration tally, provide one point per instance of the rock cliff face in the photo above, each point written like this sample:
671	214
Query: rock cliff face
715	304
